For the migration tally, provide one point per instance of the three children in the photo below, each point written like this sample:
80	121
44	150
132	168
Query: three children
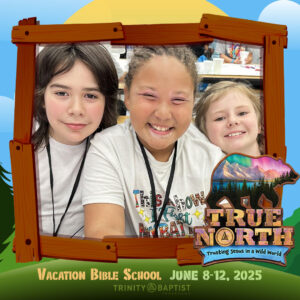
150	175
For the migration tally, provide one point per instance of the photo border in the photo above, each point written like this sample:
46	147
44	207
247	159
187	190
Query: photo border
29	245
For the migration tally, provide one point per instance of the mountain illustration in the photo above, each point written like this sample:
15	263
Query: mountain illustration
271	174
239	176
235	171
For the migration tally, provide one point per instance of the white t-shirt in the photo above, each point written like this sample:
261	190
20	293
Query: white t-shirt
66	160
115	173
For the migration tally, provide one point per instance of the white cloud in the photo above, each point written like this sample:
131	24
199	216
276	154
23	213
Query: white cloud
284	12
6	114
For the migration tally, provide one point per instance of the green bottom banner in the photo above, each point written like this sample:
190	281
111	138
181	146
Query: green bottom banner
145	279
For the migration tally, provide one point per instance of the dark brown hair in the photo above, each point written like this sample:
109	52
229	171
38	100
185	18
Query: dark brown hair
58	59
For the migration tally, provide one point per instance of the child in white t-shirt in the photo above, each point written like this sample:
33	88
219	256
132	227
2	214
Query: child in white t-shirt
150	175
229	114
76	87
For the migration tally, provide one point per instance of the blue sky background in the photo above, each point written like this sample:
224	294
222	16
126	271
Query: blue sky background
58	11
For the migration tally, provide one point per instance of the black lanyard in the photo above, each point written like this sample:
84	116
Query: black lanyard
153	192
55	231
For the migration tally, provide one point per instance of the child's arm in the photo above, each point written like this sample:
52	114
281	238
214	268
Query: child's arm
103	219
102	195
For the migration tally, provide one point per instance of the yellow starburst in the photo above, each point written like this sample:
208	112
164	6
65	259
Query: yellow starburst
197	213
147	219
141	212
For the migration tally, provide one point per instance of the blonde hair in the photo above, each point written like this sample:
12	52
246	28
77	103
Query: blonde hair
217	90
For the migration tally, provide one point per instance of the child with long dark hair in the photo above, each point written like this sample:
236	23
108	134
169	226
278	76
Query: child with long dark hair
76	88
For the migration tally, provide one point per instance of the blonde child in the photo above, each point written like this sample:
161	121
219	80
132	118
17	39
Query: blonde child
76	87
149	176
229	114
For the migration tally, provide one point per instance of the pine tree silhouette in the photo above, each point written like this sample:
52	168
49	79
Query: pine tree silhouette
7	209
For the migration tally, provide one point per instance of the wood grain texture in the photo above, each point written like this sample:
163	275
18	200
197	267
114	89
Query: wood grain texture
147	247
162	34
188	255
116	32
67	33
244	31
29	21
25	204
274	97
67	248
24	97
25	83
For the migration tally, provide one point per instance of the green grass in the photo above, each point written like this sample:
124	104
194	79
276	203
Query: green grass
8	258
20	280
293	258
24	283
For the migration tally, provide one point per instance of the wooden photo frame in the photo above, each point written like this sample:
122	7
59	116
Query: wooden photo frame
29	245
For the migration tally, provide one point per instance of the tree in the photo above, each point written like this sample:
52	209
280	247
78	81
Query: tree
7	209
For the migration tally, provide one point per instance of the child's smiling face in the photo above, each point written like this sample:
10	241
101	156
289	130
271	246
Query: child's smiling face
74	105
232	124
160	101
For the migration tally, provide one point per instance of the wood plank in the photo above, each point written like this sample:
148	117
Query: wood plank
147	247
120	35
79	249
29	21
188	255
25	204
67	33
274	97
244	31
24	97
163	34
